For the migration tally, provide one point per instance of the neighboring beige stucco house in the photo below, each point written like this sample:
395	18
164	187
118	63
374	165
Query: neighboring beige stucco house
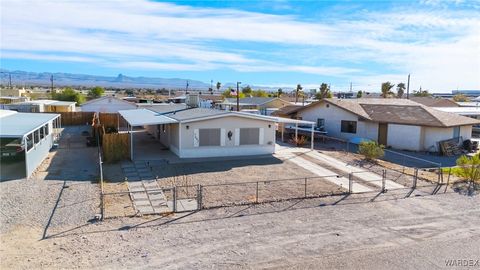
396	123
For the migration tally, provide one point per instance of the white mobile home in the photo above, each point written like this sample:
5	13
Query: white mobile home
26	139
396	123
201	132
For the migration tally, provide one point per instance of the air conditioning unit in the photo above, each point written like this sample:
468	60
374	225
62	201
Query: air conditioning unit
193	100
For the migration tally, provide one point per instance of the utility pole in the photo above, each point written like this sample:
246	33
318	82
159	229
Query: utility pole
238	97
408	87
350	87
211	86
10	80
186	89
51	81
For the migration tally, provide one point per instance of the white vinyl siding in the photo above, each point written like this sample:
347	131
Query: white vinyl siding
237	137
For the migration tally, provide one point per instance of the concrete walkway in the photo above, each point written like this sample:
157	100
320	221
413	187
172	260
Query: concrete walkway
364	175
147	197
290	155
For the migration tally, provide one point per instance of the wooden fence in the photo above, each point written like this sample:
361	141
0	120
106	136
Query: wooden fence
76	118
111	120
116	147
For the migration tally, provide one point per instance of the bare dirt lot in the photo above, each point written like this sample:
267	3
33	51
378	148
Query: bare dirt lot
47	223
323	233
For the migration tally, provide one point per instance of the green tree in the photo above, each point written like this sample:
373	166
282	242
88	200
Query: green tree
387	89
247	90
460	98
68	94
469	169
324	92
400	90
259	93
129	92
297	91
370	150
279	92
96	92
219	85
359	94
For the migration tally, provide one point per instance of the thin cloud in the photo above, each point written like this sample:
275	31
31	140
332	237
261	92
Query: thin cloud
438	46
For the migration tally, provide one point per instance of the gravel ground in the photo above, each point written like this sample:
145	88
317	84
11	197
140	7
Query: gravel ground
62	185
323	233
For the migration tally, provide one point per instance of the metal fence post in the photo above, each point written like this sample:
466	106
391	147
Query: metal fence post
384	176
199	197
350	183
415	176
256	194
305	193
440	175
174	190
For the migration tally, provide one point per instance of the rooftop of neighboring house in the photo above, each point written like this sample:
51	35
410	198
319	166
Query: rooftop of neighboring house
163	107
435	102
250	100
286	110
397	111
48	102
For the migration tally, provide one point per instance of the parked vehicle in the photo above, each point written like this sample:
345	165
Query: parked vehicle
11	149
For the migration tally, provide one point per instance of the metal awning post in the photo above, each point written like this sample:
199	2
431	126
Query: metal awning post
283	131
296	132
131	142
312	139
118	121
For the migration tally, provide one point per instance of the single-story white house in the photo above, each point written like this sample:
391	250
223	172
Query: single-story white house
396	123
107	104
202	132
26	139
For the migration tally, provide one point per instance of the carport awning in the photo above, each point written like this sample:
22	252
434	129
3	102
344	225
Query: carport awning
144	117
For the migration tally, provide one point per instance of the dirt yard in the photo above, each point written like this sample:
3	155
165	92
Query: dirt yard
326	233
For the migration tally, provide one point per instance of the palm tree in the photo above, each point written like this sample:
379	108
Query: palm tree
218	86
299	88
386	89
400	90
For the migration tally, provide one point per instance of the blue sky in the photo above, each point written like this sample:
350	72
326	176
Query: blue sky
272	43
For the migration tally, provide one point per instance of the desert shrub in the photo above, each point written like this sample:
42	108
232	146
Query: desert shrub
469	169
371	150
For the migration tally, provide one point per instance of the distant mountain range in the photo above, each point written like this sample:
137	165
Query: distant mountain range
20	78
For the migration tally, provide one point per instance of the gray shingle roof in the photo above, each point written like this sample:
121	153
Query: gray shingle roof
251	100
194	113
398	111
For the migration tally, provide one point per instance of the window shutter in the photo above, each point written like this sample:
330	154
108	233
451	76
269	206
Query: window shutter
237	137
260	136
196	138
222	137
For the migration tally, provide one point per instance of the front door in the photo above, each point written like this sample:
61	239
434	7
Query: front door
382	133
